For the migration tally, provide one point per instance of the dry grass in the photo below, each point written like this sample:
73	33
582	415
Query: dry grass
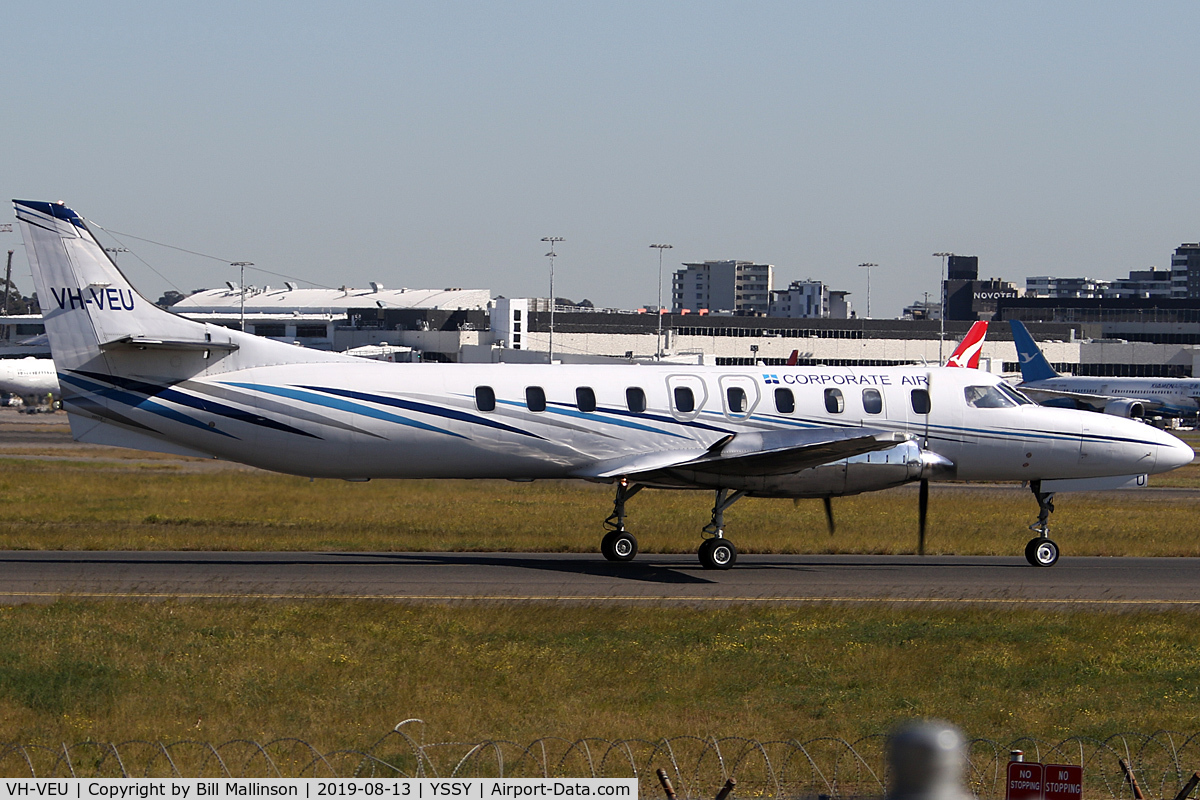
342	673
167	506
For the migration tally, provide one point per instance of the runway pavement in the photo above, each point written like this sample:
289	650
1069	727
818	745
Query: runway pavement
1096	583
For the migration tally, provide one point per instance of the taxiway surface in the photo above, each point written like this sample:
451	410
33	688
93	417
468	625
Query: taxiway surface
1116	583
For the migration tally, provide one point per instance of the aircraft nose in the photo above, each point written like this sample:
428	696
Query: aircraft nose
1173	454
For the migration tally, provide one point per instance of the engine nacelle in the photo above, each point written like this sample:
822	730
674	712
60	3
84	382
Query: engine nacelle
869	472
1125	408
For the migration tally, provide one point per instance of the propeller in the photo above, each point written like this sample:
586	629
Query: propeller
922	514
829	514
923	498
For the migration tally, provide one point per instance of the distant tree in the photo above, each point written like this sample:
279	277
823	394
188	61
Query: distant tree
17	304
584	303
169	298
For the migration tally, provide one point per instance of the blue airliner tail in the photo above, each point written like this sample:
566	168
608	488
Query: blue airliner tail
1034	366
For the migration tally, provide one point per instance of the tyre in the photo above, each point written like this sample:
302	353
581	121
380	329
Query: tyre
1041	552
717	554
619	546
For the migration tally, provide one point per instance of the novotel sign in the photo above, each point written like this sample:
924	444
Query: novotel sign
1032	781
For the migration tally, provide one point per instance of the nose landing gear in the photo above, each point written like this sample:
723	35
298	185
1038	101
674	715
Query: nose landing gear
1041	550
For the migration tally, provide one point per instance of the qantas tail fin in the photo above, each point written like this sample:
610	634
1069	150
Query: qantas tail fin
1034	366
967	352
99	324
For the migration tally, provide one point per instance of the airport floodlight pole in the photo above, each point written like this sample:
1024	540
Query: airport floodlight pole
8	282
868	265
553	240
241	265
942	305
112	252
659	348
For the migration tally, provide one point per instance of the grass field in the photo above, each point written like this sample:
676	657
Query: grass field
340	674
162	505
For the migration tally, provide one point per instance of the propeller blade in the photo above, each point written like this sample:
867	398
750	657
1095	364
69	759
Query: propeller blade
922	513
829	515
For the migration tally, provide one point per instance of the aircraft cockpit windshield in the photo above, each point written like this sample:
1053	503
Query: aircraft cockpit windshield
998	396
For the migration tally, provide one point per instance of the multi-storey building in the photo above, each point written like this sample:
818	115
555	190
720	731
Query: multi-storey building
1142	283
801	300
1185	270
740	287
1073	288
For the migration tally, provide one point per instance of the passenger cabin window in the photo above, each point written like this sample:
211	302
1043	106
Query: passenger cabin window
635	399
872	401
987	397
920	401
585	399
736	397
485	398
535	398
834	402
685	401
785	401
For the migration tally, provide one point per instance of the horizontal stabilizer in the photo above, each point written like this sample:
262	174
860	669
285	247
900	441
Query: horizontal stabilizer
143	343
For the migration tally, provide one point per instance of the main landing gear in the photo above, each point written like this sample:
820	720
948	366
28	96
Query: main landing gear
1041	550
618	544
716	552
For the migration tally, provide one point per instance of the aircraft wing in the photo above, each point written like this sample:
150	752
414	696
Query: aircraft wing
1084	400
756	453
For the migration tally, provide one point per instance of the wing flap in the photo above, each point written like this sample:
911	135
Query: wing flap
754	453
783	452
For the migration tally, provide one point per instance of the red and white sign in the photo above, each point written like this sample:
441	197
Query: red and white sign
1024	781
1062	782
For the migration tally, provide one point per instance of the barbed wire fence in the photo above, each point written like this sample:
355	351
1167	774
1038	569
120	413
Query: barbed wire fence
824	767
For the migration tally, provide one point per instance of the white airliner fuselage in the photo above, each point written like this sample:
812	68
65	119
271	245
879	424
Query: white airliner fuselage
29	378
134	375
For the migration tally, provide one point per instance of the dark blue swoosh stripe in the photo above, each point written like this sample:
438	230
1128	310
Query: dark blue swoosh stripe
309	396
198	403
143	403
424	408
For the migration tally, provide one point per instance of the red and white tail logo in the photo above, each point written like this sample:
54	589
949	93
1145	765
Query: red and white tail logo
967	352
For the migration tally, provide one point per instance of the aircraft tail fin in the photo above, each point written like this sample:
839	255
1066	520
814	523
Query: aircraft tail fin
98	323
1034	366
793	358
968	350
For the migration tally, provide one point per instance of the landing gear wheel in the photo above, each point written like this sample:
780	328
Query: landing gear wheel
717	554
1041	552
619	546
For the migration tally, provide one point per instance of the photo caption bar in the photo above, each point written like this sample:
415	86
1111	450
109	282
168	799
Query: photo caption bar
407	788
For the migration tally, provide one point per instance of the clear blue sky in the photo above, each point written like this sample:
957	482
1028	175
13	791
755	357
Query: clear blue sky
433	144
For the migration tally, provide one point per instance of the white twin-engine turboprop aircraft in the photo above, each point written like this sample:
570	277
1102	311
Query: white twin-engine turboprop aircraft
133	375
